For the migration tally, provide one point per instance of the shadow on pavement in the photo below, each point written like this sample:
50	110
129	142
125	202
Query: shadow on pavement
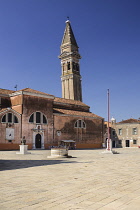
19	164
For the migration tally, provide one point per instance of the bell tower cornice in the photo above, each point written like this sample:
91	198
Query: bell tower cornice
66	54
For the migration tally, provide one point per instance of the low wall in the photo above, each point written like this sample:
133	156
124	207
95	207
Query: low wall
88	146
9	146
12	146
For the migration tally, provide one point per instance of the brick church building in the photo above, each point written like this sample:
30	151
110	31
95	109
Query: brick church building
43	119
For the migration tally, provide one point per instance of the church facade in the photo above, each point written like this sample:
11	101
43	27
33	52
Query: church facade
45	120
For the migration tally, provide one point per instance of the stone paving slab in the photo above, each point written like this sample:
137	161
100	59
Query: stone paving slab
89	180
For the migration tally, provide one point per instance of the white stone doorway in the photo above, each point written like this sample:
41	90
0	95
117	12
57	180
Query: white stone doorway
38	140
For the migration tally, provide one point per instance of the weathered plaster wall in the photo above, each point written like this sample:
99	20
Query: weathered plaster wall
89	137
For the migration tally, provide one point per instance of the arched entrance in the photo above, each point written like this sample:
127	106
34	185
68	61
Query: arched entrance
38	141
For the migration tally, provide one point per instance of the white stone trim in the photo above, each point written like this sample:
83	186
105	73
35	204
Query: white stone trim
42	139
10	110
31	94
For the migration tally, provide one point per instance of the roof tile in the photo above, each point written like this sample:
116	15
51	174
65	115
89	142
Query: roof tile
34	91
6	92
131	120
69	101
78	113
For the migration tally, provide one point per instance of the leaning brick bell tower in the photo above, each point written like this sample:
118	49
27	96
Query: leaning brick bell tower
71	78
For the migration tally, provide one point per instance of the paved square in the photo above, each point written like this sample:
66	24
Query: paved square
89	180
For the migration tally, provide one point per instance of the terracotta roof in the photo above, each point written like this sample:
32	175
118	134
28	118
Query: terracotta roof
6	92
131	120
77	113
69	101
34	91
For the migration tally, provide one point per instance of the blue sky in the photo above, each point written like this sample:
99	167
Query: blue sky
108	35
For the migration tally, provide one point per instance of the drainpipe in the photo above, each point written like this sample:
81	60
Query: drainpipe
109	141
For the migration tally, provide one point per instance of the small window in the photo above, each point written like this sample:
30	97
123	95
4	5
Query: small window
134	141
80	124
120	131
134	131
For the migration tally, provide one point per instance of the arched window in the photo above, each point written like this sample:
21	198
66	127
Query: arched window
31	120
38	118
9	118
74	65
63	67
80	124
4	119
77	67
44	119
15	119
68	65
84	125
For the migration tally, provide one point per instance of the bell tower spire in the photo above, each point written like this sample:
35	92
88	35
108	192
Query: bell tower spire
71	78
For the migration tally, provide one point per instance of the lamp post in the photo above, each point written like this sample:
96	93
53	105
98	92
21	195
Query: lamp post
109	140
